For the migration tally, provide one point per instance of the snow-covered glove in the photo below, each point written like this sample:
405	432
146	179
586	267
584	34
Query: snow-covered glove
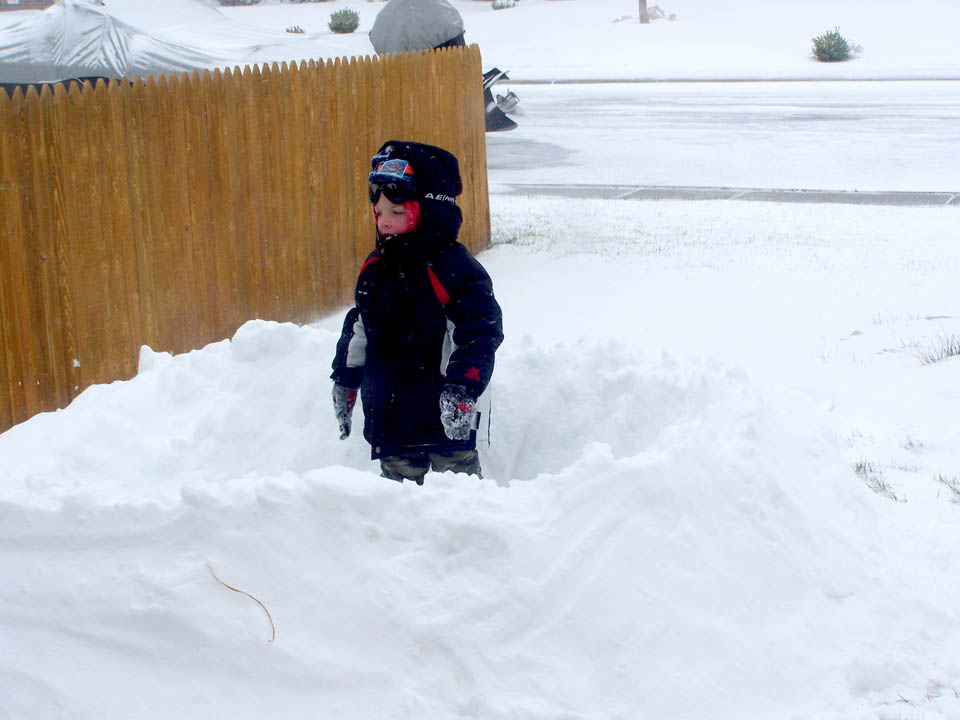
344	399
457	411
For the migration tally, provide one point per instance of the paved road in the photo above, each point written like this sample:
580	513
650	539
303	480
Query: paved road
863	142
661	192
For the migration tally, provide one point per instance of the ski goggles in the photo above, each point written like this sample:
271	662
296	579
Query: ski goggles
397	193
393	178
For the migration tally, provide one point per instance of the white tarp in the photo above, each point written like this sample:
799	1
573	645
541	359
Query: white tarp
77	39
410	25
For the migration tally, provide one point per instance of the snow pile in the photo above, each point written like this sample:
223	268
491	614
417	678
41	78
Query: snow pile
713	542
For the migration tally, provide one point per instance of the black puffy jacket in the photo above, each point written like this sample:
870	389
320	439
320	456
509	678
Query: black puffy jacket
425	315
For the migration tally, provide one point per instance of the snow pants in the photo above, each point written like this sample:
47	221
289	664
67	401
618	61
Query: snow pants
415	466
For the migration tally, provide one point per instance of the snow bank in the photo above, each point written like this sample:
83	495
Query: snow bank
665	539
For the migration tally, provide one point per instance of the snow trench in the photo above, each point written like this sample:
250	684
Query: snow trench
649	533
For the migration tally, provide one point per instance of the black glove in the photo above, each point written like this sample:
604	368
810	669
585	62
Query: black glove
457	411
344	399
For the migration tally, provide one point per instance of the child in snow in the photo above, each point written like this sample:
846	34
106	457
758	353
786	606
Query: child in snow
420	341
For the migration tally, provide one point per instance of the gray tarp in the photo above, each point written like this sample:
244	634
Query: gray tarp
410	25
75	39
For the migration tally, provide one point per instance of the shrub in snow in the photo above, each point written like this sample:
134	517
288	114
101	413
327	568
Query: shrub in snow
832	47
296	29
344	21
239	2
502	4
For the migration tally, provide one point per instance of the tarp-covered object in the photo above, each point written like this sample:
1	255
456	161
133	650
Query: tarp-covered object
77	39
411	25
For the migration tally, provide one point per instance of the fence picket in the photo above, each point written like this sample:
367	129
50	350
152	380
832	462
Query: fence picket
203	267
30	296
13	355
109	310
46	170
44	299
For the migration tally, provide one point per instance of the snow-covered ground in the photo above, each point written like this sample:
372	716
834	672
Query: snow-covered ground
721	482
558	39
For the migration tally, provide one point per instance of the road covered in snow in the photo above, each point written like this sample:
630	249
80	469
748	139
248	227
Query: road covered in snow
828	135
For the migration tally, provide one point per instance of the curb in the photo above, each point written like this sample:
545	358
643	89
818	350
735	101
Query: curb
666	192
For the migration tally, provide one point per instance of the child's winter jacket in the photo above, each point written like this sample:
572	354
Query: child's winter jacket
425	316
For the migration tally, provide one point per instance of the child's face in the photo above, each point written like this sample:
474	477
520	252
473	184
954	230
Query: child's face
391	217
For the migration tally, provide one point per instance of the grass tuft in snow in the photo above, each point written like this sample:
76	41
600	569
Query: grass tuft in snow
952	484
945	347
873	477
881	319
519	233
912	445
942	348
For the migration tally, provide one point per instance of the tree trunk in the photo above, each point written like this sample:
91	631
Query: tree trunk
644	15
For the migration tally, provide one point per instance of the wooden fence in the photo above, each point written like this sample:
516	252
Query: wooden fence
168	213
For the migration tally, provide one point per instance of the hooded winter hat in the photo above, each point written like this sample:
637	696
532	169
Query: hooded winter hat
425	173
393	177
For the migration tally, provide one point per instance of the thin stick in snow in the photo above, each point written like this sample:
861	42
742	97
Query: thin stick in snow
273	627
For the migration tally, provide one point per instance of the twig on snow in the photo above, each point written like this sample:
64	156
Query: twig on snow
273	627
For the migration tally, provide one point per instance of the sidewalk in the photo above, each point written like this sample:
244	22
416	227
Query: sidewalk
652	192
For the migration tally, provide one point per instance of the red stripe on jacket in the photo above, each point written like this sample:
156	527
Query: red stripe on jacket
439	290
